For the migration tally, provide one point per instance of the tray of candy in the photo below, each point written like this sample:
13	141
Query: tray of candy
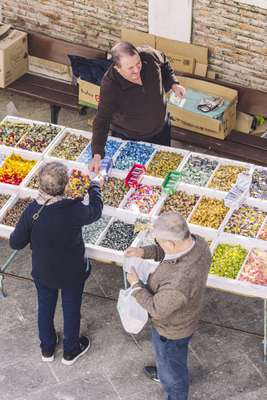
21	144
131	153
65	145
112	149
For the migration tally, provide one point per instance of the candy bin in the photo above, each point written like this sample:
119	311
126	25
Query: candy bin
70	147
163	162
13	214
225	177
135	175
3	199
209	213
258	186
143	198
119	236
245	221
92	232
255	268
227	260
15	169
78	184
198	170
113	192
11	132
181	202
133	153
38	137
110	149
263	232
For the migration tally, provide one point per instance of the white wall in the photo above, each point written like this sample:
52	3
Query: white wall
171	19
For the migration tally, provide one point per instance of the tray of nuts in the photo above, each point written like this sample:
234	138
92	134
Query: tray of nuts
69	144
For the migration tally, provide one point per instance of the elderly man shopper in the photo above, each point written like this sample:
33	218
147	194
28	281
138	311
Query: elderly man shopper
132	98
52	225
173	298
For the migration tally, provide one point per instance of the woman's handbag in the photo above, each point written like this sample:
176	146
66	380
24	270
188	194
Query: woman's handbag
133	316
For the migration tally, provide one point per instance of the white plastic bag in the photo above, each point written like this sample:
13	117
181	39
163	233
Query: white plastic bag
142	267
133	316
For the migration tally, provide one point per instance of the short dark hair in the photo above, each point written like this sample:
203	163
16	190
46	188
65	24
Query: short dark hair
120	49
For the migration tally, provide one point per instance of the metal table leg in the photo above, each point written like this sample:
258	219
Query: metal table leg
3	268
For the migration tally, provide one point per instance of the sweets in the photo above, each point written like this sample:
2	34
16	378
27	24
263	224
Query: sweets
245	221
119	236
227	260
70	147
209	213
12	132
255	268
77	185
3	199
163	162
13	214
225	177
143	199
110	149
180	202
113	192
93	231
38	137
198	170
14	169
263	232
133	153
258	186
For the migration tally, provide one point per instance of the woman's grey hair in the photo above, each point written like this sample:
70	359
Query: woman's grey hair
53	178
171	226
122	49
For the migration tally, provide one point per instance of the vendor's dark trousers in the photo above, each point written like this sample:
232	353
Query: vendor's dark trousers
71	305
163	137
171	362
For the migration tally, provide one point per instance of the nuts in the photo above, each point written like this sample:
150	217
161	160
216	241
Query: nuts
209	213
180	202
227	260
163	162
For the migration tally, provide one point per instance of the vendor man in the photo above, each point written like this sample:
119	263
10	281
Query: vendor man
132	100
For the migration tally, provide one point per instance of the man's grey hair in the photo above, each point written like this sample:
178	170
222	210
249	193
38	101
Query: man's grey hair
53	178
122	49
171	226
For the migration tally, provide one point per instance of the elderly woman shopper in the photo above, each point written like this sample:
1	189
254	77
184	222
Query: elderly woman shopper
173	298
52	224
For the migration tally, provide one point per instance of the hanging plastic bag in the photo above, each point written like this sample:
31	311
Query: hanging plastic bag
142	267
133	316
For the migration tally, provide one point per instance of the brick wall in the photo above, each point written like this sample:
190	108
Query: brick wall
236	35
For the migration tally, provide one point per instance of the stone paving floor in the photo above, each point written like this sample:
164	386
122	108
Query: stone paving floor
226	355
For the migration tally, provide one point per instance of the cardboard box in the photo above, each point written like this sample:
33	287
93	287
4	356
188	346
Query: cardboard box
176	51
88	94
138	38
13	55
243	122
197	123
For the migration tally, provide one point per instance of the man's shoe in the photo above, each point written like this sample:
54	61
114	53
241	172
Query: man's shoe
152	373
70	358
49	356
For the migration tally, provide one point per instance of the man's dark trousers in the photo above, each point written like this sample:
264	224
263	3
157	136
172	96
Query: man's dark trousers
71	304
171	362
163	137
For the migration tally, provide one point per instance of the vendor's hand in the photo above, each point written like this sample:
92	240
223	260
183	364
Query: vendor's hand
178	90
94	165
134	252
132	278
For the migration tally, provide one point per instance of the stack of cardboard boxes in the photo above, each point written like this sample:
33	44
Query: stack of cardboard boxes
13	55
